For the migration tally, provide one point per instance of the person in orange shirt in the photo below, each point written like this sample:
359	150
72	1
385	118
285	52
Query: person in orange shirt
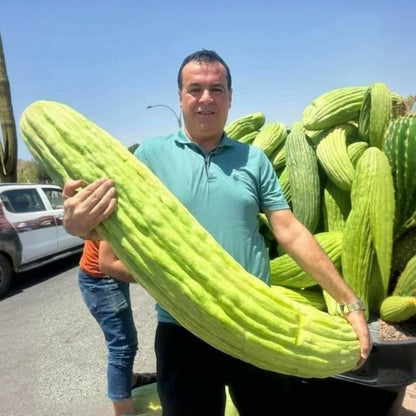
108	301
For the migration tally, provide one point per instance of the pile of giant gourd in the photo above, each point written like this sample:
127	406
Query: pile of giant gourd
348	169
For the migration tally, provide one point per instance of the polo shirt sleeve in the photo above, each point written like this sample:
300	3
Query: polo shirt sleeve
149	151
140	154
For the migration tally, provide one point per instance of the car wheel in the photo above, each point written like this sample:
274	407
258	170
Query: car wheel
5	275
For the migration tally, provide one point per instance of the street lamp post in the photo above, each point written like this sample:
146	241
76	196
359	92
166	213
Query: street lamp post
178	118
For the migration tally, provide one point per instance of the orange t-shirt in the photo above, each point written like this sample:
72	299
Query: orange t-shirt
89	259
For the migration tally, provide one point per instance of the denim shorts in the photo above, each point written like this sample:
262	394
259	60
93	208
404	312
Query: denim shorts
108	300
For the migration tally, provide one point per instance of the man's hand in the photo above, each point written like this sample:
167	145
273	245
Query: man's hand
84	210
358	322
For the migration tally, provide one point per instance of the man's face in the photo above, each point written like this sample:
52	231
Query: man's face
204	99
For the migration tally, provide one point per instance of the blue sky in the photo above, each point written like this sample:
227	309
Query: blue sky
111	59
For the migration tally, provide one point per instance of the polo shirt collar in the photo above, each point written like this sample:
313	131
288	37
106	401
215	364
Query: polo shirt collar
182	139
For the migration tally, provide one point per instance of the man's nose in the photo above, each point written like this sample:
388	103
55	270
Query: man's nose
205	96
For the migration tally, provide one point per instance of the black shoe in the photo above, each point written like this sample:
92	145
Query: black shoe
143	379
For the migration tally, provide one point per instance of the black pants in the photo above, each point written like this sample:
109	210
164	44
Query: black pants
192	377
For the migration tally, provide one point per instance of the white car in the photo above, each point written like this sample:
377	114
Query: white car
31	230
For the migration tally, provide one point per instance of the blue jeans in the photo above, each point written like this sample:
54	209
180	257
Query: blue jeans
108	300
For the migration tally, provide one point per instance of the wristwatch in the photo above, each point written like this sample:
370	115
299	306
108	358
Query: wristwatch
351	307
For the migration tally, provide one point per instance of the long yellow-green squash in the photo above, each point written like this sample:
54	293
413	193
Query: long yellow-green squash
332	154
375	114
400	148
404	248
336	207
244	125
284	271
180	264
278	157
283	176
397	308
249	137
406	283
368	232
270	137
313	296
334	107
355	150
304	180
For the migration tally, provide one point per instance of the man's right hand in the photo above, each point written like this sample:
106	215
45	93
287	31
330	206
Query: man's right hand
84	210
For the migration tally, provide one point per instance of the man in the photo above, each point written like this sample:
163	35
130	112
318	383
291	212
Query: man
224	184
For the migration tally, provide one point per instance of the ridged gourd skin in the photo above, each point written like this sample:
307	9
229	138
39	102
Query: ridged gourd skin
334	107
246	124
336	207
382	212
304	179
249	137
397	308
165	249
310	297
400	148
406	283
375	114
355	151
404	248
368	232
284	183
278	157
332	154
270	137
284	271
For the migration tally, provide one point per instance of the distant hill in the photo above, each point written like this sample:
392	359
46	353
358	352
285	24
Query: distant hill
21	163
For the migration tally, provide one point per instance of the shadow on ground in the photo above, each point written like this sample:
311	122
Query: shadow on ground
25	280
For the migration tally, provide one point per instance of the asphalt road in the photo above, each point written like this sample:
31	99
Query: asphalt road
52	352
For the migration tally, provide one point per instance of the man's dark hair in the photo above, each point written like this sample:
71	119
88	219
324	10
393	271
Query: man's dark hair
204	55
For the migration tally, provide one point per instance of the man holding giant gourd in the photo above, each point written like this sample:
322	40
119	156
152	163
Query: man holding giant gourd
212	330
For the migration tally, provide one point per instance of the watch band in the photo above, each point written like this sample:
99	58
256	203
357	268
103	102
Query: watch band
351	307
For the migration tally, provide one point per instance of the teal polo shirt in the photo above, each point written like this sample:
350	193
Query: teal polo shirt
224	189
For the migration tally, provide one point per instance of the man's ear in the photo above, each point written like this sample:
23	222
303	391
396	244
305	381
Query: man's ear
231	98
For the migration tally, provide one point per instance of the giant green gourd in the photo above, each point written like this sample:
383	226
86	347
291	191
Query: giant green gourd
270	137
368	232
304	180
400	148
284	271
375	114
180	264
332	154
333	107
244	125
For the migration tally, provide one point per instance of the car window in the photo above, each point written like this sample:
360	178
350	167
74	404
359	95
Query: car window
55	197
6	202
22	200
